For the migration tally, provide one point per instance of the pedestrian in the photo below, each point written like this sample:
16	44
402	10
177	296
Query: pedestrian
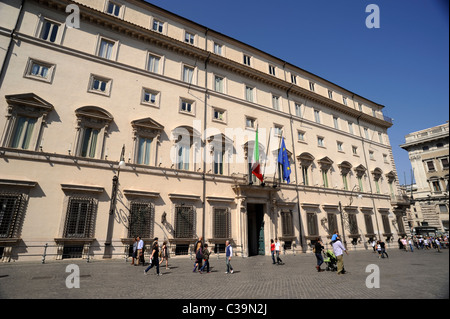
374	246
228	254
198	256
165	254
383	249
277	251
318	247
154	259
404	244
410	242
140	251
335	236
272	251
134	253
339	250
206	254
379	249
438	244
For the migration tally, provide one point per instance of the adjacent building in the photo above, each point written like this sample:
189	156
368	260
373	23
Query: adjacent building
140	122
428	153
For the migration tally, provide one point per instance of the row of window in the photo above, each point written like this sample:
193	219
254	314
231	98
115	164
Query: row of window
108	49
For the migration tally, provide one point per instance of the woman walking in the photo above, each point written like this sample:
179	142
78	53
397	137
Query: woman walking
318	247
154	259
164	254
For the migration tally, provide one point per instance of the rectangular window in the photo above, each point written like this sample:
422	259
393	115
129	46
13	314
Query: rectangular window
366	133
287	223
430	166
369	223
218	162
39	70
219	115
106	49
371	155
350	127
360	183
217	48
444	162
320	141
150	97
23	132
305	175
353	224
144	147
249	93
298	109
113	8
311	219
336	122
218	84
49	31
330	94
311	86
345	180
278	130
141	218
332	222
247	59
317	116
354	150
276	102
293	79
183	157
271	70
301	136
340	146
250	122
89	142
222	223
11	207
184	222
80	218
325	178
386	225
153	63
99	85
189	37
186	106
436	186
158	26
188	73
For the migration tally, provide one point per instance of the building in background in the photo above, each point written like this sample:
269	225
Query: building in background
141	122
428	152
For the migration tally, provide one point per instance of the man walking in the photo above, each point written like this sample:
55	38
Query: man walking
140	255
339	249
228	254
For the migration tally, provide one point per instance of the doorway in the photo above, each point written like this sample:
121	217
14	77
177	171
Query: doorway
255	215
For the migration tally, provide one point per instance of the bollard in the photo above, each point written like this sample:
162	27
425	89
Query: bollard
45	253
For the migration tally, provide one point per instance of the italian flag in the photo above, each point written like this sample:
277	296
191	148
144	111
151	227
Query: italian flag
256	167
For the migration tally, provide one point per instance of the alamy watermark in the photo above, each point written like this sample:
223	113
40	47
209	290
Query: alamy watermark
373	19
373	279
73	279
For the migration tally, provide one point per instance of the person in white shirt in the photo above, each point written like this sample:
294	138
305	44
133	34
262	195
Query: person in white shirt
140	246
277	251
339	249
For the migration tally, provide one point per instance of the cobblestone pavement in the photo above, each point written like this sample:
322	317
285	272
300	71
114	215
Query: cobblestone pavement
404	275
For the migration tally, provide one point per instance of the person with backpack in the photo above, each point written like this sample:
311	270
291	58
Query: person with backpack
206	254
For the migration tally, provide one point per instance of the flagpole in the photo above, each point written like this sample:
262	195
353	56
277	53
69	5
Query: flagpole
265	162
277	166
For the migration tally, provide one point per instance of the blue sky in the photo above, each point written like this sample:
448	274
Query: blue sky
403	65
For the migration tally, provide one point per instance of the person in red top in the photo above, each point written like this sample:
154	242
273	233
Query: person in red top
272	250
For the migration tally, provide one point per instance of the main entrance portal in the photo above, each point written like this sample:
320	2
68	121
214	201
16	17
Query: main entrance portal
255	215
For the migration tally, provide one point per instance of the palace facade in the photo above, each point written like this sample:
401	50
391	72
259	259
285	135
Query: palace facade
140	122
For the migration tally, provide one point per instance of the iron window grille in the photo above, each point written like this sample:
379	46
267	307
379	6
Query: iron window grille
141	220
222	224
12	206
80	217
287	223
184	222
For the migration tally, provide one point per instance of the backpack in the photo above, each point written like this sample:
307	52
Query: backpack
199	254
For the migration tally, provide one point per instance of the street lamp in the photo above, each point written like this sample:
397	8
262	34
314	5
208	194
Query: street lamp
115	183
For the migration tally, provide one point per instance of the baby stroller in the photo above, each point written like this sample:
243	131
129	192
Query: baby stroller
330	260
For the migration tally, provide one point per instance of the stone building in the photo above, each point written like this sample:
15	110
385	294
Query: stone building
137	121
428	153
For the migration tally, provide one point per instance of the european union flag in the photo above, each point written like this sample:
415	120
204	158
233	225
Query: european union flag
284	161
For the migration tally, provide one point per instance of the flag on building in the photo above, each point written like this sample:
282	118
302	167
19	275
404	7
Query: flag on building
256	167
284	161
